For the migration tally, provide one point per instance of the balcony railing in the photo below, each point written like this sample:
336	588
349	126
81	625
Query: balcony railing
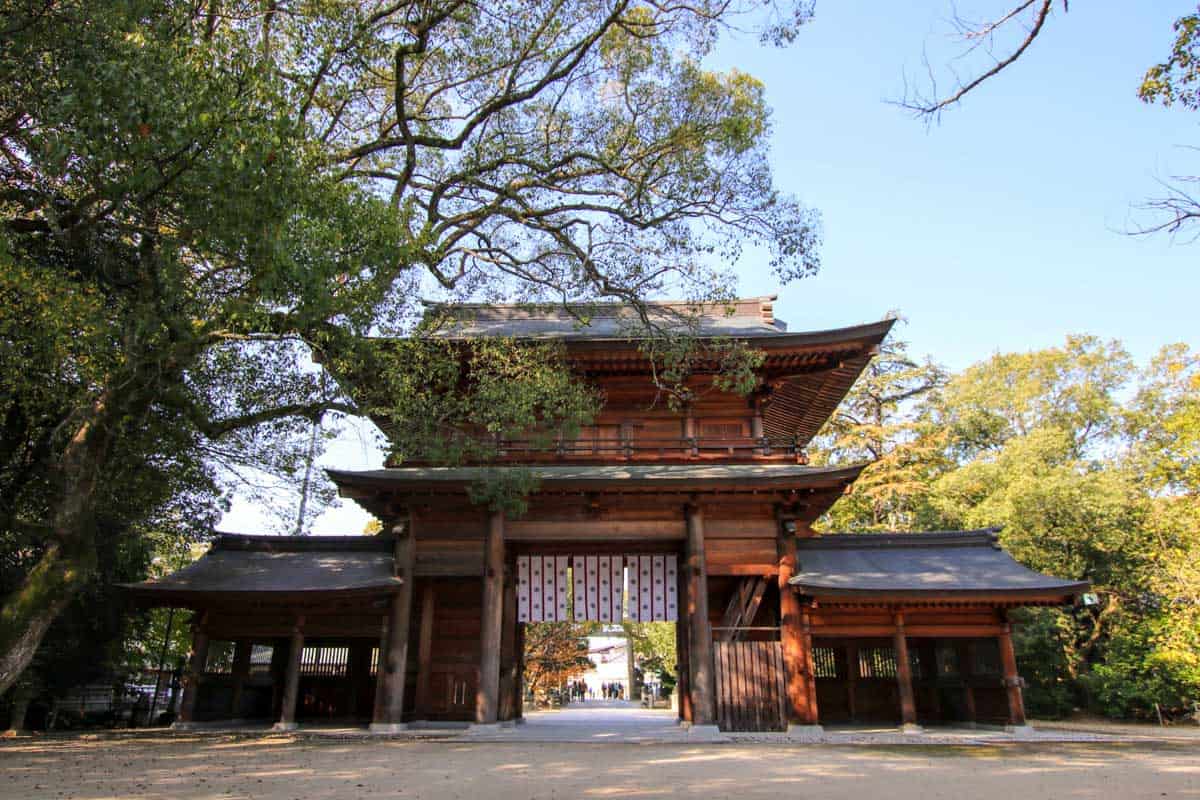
651	449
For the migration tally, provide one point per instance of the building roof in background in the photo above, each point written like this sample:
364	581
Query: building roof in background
946	564
262	567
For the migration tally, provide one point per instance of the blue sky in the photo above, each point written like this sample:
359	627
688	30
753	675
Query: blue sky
999	229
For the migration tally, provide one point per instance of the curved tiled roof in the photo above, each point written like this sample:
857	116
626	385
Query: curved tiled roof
266	566
944	564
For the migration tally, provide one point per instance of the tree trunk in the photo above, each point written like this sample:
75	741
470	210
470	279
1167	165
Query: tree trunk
70	559
28	613
22	695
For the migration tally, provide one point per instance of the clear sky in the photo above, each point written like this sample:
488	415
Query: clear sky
1000	229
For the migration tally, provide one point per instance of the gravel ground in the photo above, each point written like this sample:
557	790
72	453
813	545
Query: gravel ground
157	765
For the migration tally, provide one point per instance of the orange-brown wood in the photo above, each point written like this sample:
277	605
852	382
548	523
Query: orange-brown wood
908	705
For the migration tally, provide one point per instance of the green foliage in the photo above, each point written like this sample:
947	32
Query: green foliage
1174	80
555	653
880	422
654	649
199	198
1089	464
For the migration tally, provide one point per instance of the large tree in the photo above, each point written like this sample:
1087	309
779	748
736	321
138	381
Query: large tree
1088	463
198	197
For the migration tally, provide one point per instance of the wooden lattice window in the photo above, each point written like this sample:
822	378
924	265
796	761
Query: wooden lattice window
660	430
220	658
260	659
877	662
947	660
724	429
985	657
825	662
328	661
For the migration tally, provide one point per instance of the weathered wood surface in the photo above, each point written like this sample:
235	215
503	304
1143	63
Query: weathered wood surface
751	686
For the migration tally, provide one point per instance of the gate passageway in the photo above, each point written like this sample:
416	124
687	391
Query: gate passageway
598	721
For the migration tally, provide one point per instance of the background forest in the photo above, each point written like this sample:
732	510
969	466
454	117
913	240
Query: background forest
1091	465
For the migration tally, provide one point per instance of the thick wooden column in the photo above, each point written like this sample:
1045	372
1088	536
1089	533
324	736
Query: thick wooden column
393	658
509	680
241	671
425	651
197	661
701	656
794	637
291	681
519	711
683	661
908	704
852	680
1012	680
492	622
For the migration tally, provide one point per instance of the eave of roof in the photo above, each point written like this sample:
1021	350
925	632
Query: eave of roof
270	568
666	476
947	564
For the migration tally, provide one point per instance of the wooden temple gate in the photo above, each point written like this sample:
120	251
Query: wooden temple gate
709	508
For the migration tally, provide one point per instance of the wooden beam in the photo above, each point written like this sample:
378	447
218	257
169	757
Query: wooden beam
908	704
487	696
914	631
393	661
701	656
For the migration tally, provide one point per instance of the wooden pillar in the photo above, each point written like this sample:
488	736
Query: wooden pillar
683	659
852	680
908	704
291	681
393	658
1012	679
794	637
197	661
519	711
509	680
425	651
487	698
241	671
701	655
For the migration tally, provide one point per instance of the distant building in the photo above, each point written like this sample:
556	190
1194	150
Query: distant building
610	653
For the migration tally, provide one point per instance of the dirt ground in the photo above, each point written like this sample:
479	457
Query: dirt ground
282	768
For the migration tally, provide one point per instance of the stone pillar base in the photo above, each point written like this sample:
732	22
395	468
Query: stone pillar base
911	728
805	731
384	728
283	727
1019	731
703	730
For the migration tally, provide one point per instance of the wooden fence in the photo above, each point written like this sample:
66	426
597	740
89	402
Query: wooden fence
751	686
